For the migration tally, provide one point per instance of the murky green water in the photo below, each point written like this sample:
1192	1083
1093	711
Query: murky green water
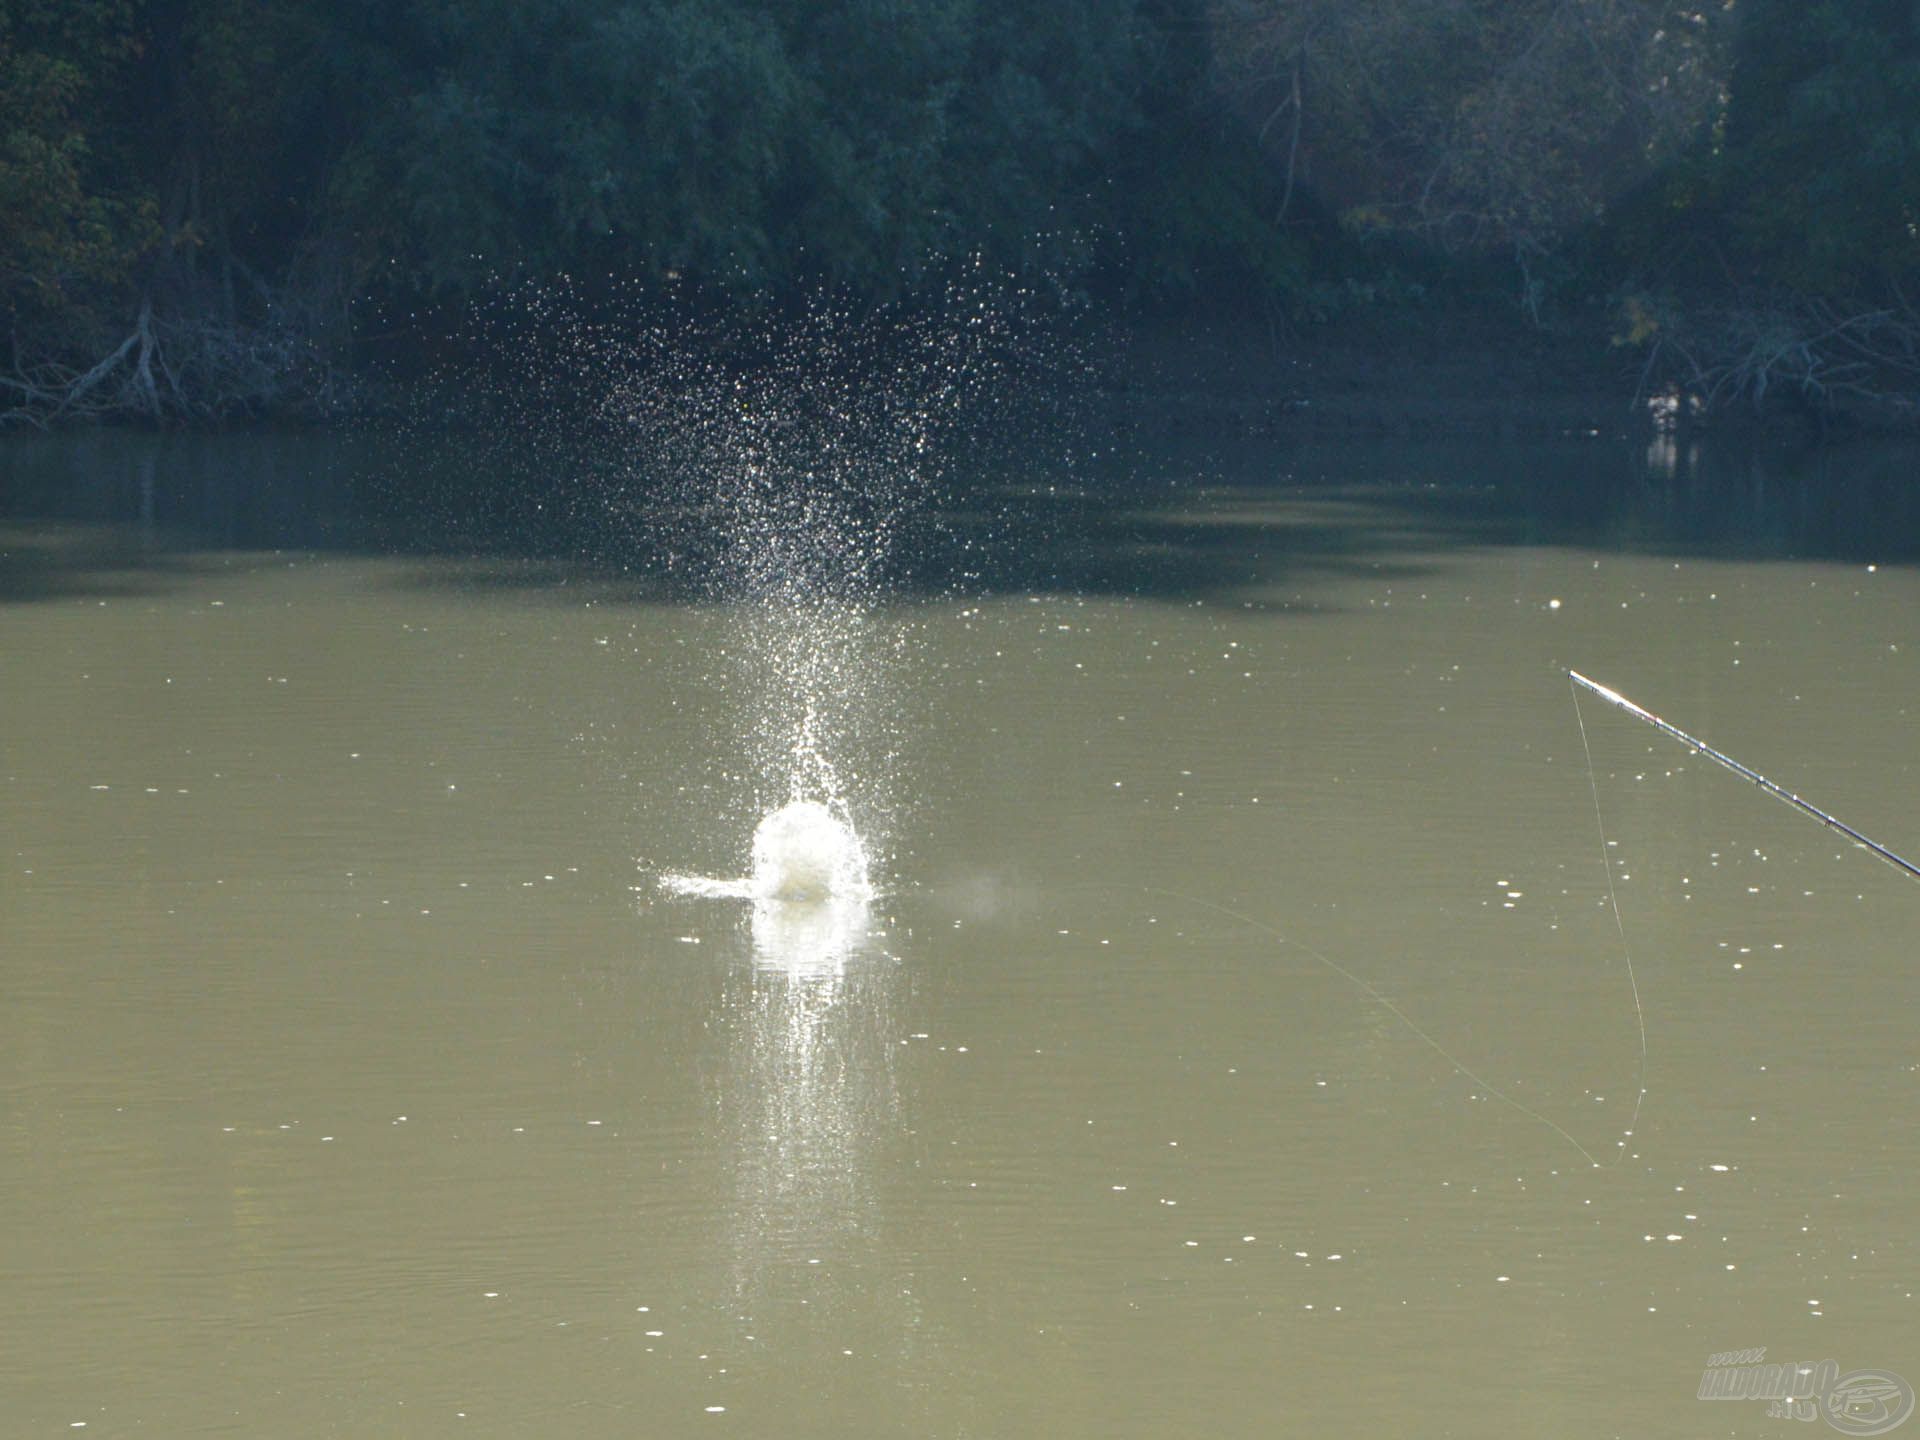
357	1077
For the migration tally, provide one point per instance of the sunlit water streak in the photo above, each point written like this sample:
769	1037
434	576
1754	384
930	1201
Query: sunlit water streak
799	487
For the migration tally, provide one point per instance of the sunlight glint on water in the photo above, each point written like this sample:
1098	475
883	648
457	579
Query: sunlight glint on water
351	1080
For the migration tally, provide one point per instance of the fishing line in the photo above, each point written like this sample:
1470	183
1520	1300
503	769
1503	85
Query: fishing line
1372	994
1778	792
1576	682
1613	900
683	885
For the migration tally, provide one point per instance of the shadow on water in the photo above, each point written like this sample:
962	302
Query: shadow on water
112	514
71	561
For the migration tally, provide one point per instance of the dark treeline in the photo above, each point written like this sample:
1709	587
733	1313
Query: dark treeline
213	207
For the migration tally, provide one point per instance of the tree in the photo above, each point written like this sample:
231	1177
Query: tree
1477	124
71	223
1781	260
760	146
1822	155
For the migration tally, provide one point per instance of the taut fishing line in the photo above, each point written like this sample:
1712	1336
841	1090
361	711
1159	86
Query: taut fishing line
1392	1009
1371	993
1613	901
1576	682
1380	999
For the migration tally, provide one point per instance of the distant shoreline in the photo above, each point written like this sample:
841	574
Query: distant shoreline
1433	383
1465	376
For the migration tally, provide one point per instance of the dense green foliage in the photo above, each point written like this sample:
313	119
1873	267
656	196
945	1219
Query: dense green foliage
71	224
196	194
1822	181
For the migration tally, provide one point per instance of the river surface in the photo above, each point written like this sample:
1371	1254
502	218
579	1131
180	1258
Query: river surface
1240	1040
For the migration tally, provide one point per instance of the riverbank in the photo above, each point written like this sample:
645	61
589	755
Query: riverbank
1409	384
1469	374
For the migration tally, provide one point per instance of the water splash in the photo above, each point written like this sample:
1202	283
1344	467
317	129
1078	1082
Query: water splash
810	887
788	466
805	852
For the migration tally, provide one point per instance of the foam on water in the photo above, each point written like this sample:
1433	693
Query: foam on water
711	887
805	852
809	884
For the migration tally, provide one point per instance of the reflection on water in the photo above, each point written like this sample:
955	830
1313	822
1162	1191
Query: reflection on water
809	1095
252	492
808	938
809	1105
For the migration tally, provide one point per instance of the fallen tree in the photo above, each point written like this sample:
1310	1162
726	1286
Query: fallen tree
181	368
1819	356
